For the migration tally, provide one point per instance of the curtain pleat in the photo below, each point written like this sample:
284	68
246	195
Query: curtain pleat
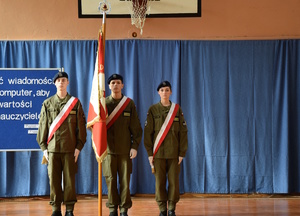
241	101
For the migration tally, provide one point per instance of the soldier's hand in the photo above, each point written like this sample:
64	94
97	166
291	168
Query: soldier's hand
76	154
151	161
133	153
45	153
180	159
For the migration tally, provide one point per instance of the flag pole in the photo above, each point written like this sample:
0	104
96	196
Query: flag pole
99	189
103	27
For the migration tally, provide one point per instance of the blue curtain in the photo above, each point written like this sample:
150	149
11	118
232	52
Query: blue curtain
241	100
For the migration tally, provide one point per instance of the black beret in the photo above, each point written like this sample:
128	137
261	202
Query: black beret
114	77
59	75
164	84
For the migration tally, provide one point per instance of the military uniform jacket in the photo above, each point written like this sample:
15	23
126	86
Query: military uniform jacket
175	143
126	132
72	132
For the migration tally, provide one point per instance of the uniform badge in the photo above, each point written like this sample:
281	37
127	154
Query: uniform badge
126	114
73	112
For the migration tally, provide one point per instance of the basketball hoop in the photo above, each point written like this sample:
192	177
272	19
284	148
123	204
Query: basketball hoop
138	13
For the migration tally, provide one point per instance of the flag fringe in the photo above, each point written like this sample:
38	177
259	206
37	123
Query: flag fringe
99	158
90	124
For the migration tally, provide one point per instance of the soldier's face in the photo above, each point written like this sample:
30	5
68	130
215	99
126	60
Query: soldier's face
116	86
165	92
61	83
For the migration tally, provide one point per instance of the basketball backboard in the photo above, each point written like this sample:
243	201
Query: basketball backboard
157	8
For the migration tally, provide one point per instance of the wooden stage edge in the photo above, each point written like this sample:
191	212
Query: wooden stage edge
190	204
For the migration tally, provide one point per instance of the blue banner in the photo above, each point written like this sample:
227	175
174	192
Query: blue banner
22	92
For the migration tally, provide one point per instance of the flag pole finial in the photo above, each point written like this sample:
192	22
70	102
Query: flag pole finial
104	7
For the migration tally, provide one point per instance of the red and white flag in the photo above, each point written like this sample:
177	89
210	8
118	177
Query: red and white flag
97	110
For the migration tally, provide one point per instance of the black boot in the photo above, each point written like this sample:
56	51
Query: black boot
114	213
56	213
171	213
163	213
69	213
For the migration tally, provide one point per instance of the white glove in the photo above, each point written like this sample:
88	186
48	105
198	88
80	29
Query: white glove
151	161
45	152
151	164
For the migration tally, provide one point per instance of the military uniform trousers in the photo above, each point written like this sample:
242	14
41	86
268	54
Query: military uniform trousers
62	164
114	165
166	168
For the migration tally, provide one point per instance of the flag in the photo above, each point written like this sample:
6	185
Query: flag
97	109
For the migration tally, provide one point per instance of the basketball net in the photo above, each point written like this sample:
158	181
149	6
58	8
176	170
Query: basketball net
138	13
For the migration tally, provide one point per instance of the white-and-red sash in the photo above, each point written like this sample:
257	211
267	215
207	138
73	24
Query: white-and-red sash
61	117
117	111
165	127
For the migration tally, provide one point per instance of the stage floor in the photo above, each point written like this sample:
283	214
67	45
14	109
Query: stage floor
145	205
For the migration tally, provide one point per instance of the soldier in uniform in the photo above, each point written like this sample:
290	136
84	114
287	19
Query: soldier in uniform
124	133
61	136
165	140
